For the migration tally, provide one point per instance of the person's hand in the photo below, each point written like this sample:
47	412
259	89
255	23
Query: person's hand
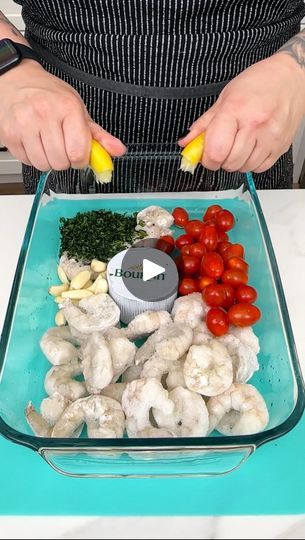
255	118
44	122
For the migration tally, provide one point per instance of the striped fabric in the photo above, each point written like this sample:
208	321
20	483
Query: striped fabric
159	43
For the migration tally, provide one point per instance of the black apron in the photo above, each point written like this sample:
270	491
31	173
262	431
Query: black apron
146	69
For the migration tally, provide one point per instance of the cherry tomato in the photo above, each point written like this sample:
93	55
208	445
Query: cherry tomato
180	216
190	264
194	228
230	296
209	237
222	236
184	240
211	212
235	250
246	294
204	281
166	243
185	250
222	247
217	321
178	262
224	220
197	250
234	278
214	295
187	286
212	264
243	315
237	263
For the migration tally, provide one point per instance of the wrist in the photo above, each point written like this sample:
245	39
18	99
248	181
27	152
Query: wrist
26	67
288	62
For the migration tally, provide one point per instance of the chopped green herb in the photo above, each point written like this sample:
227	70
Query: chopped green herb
98	234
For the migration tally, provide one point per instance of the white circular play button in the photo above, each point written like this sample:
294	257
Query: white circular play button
151	270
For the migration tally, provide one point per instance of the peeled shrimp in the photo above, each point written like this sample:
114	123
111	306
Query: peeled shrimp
245	362
60	379
201	334
37	423
132	373
51	408
190	416
208	369
169	342
241	410
94	313
147	350
96	363
102	415
189	309
156	367
138	399
72	267
122	351
155	215
58	345
146	323
153	433
246	336
175	376
114	391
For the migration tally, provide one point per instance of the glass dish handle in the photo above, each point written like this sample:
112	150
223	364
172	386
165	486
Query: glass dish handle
144	462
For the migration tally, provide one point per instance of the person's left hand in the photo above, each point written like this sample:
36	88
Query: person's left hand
255	118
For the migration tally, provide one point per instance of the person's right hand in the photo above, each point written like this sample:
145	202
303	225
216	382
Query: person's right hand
44	122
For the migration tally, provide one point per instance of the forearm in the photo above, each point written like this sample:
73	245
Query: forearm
295	48
8	30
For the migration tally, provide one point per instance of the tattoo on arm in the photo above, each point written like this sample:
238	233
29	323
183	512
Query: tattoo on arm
13	29
295	47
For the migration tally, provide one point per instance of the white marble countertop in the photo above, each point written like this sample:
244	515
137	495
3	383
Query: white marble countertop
284	212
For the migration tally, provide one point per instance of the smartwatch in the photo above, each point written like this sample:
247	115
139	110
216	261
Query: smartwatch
11	54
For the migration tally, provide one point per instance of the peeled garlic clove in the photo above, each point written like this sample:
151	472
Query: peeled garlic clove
57	290
80	280
98	266
101	286
62	274
60	319
88	284
77	294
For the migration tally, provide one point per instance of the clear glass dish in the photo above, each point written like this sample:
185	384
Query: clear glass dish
31	311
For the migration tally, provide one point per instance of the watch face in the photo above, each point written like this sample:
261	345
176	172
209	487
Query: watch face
8	54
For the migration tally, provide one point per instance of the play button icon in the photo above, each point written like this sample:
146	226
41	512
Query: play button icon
151	270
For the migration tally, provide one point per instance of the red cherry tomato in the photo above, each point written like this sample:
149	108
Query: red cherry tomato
194	228
224	220
184	240
237	263
190	265
217	321
197	250
235	250
211	212
234	278
209	237
187	286
214	295
222	247
243	315
222	236
166	243
185	250
246	294
230	296
212	264
204	281
180	216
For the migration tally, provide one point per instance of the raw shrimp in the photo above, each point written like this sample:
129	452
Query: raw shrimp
132	373
51	408
138	399
94	313
37	423
58	345
246	336
122	351
146	323
155	215
175	376
245	362
103	416
153	433
60	379
156	367
96	363
201	334
147	350
190	416
241	410
189	309
114	391
208	369
173	341
72	267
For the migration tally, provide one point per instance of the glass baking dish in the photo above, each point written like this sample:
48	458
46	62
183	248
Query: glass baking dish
31	311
